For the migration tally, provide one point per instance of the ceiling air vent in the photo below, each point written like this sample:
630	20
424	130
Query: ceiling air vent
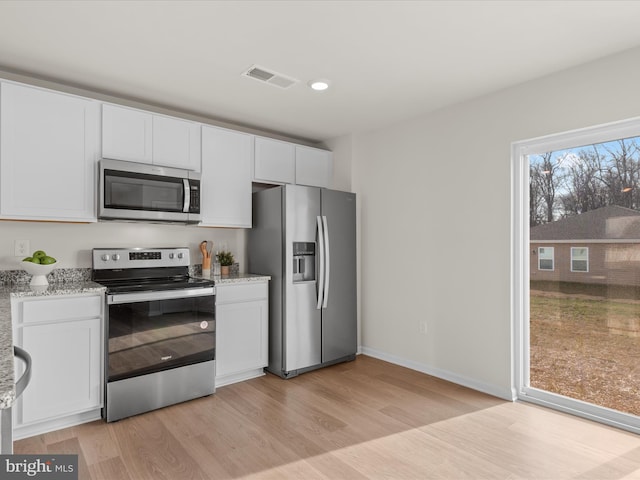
272	78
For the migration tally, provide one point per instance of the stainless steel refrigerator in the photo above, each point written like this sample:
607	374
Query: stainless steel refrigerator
305	238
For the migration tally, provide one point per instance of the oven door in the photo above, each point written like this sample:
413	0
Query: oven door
150	332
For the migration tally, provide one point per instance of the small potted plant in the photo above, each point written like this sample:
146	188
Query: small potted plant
226	260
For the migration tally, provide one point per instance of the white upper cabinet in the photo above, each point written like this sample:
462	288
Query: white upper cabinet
49	148
176	143
226	178
314	167
274	161
50	143
126	134
139	136
283	162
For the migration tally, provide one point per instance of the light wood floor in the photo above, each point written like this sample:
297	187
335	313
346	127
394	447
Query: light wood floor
362	419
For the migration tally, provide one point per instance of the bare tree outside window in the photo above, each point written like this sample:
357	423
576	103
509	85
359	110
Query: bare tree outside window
546	179
585	190
574	181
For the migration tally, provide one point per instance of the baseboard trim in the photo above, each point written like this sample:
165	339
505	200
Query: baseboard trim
504	393
238	377
26	431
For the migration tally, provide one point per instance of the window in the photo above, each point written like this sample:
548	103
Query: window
545	258
579	259
575	336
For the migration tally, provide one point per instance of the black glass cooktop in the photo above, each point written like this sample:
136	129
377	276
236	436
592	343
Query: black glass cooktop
157	284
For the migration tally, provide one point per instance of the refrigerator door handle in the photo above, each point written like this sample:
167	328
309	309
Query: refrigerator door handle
327	263
320	283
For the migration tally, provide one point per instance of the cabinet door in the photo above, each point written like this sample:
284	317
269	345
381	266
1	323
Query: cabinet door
274	161
48	154
176	143
66	374
126	134
241	337
314	167
226	178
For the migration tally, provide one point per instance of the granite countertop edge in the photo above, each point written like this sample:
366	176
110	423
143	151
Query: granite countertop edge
7	292
235	278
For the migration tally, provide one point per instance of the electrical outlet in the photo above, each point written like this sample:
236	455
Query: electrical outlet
21	248
423	327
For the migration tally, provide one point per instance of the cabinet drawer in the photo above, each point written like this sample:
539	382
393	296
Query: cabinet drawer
61	308
242	292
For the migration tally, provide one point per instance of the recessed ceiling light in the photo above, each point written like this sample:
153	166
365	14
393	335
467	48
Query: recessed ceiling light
319	85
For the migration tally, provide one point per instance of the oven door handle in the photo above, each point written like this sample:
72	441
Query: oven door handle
120	298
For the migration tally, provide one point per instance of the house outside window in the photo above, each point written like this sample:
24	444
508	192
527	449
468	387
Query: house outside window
579	259
545	258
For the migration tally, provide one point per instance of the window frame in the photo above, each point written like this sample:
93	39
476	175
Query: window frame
586	260
520	268
553	259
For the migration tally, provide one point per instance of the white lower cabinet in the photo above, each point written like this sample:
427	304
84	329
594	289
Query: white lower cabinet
64	336
242	338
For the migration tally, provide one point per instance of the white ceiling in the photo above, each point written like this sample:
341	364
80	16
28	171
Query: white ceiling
387	60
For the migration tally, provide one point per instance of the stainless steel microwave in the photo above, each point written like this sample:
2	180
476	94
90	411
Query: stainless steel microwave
144	192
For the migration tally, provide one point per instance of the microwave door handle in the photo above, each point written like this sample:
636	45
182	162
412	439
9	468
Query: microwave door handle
187	195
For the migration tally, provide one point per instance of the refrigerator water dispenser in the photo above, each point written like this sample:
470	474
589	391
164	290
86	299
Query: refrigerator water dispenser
304	261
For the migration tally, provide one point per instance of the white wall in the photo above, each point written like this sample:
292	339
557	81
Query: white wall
71	243
435	218
342	148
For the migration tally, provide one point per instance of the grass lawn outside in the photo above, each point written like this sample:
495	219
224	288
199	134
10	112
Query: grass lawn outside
585	344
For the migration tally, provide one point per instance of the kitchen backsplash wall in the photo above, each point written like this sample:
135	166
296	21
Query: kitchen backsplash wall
71	243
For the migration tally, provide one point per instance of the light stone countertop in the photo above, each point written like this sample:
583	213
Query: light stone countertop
7	381
7	292
238	278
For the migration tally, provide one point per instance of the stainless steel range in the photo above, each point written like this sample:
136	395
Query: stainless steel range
160	329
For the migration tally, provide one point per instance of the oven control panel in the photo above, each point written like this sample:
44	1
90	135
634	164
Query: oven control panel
110	258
